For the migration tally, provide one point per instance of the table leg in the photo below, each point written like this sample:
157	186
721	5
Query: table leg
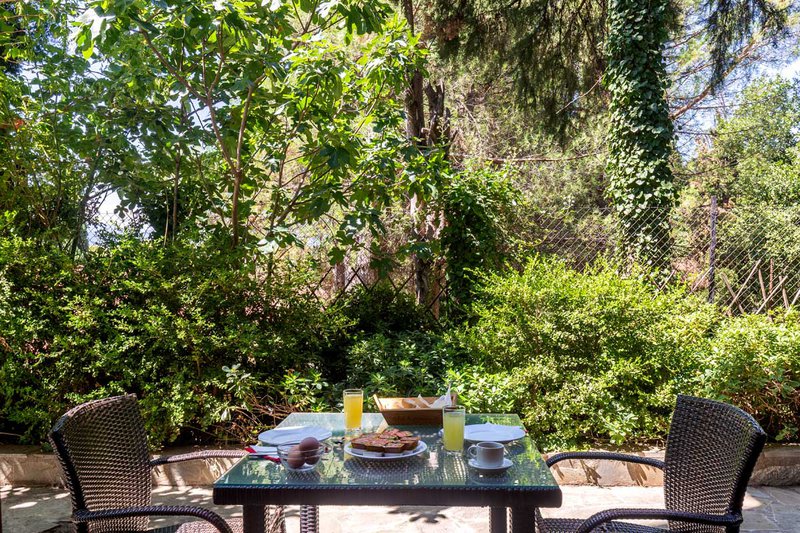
523	519
253	519
498	520
309	519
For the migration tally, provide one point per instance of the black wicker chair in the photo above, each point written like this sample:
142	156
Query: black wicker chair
712	448
102	448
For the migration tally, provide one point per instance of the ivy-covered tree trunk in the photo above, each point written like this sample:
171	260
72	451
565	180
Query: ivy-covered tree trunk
641	133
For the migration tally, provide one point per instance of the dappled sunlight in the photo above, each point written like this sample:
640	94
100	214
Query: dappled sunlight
428	515
218	217
31	509
24	505
753	502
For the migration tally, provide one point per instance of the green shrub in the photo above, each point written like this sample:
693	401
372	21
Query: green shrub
484	391
380	311
754	362
601	356
137	317
478	203
212	350
405	364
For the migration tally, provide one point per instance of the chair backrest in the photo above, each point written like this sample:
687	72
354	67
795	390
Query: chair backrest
102	448
711	451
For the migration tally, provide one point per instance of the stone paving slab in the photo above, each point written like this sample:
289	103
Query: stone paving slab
767	509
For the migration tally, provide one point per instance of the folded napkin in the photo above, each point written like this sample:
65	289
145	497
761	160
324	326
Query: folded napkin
442	401
293	434
263	452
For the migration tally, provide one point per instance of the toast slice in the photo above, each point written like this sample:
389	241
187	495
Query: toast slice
410	443
394	448
376	445
360	443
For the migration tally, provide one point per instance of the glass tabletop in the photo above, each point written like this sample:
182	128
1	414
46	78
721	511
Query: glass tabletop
432	469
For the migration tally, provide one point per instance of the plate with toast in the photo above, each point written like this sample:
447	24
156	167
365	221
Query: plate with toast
386	445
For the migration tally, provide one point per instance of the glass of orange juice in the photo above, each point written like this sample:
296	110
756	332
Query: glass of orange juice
453	428
353	408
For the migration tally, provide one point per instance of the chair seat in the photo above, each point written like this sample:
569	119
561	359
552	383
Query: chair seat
200	527
205	527
188	527
570	525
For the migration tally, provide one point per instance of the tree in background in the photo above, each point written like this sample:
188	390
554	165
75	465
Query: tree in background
300	125
551	52
64	136
757	154
479	204
12	37
555	53
432	138
640	134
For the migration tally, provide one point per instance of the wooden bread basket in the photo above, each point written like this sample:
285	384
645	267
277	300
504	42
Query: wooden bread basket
402	411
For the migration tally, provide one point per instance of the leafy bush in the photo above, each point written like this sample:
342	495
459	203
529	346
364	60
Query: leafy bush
406	364
140	318
754	362
584	357
478	203
483	391
380	311
601	356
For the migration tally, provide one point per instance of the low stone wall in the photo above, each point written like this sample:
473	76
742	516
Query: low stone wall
779	465
28	466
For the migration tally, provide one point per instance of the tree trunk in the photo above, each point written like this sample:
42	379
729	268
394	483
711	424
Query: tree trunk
237	182
175	183
439	129
415	127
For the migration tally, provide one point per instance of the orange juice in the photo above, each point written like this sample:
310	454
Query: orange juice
353	408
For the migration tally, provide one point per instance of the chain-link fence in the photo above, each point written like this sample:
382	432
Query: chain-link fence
745	258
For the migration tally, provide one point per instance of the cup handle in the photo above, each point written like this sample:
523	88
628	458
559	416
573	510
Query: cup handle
472	451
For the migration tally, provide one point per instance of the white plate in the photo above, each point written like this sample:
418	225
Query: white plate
492	433
491	469
293	434
372	456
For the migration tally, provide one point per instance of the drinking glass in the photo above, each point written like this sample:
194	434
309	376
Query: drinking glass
453	428
353	408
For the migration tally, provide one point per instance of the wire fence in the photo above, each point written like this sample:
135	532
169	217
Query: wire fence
744	258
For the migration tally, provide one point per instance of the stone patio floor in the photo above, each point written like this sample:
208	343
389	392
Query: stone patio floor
767	509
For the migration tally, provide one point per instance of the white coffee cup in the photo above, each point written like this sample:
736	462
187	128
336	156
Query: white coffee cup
487	454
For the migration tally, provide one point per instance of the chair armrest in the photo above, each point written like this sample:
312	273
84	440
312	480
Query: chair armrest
208	454
601	518
156	510
611	456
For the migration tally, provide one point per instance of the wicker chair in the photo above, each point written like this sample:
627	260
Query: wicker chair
712	448
102	448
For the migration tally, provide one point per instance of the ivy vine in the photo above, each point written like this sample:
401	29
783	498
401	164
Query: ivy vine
641	133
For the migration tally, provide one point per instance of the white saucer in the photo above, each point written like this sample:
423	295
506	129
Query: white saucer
491	469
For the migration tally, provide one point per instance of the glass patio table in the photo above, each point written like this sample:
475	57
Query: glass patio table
432	478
